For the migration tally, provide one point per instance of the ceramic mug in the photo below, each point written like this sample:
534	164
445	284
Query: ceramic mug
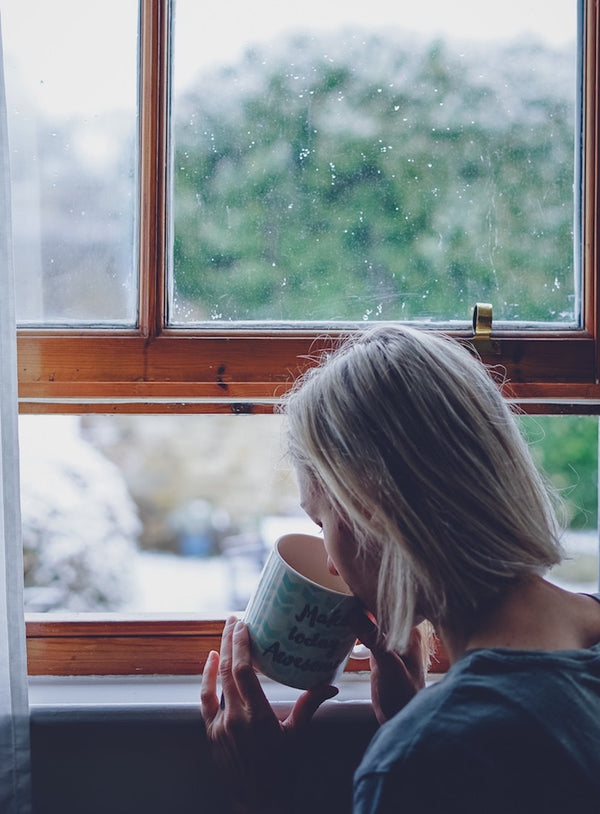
298	615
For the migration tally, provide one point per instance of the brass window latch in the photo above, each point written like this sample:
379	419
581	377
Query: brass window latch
482	330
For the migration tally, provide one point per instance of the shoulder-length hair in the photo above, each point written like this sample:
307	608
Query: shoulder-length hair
409	436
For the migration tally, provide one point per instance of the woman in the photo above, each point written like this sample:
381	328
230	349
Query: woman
431	509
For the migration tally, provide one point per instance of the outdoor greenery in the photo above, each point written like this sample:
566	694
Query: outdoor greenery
357	178
369	178
566	450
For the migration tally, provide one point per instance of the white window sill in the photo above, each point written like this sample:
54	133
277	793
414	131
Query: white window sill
163	691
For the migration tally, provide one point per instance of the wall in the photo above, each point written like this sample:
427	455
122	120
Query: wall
150	759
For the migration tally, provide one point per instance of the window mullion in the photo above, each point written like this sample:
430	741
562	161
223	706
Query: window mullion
153	163
590	172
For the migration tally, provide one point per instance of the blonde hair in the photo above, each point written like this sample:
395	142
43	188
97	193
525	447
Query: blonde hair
410	439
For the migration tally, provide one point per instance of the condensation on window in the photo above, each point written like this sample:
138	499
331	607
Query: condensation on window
71	86
344	164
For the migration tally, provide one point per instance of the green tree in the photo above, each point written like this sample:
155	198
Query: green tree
565	448
387	182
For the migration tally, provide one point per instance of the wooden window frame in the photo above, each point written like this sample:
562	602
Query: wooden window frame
157	369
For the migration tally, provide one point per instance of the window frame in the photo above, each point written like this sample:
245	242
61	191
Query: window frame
157	369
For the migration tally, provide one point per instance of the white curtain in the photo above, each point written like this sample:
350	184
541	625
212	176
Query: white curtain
15	775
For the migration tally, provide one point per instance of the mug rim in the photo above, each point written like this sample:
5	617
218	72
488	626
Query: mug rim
318	585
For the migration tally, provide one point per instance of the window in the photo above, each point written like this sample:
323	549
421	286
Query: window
73	162
176	531
210	367
166	330
358	172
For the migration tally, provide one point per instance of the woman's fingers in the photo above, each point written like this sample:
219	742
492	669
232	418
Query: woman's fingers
234	704
250	688
366	630
395	677
246	741
246	680
227	645
415	657
209	702
306	706
243	700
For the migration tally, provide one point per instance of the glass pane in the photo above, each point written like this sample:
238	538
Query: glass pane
177	513
151	513
72	99
565	449
336	163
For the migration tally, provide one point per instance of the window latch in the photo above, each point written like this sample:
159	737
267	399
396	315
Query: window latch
482	330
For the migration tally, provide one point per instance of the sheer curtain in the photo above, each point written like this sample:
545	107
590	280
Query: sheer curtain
14	709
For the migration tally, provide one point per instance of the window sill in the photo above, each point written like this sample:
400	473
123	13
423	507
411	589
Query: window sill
164	691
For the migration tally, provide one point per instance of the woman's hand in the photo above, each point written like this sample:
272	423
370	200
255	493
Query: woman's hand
395	678
253	751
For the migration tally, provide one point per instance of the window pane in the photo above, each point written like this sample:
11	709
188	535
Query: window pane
177	513
151	513
350	165
71	93
565	448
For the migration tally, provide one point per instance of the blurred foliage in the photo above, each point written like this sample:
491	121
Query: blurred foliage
565	448
364	178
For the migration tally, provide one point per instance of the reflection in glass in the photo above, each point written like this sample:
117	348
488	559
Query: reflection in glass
354	169
71	95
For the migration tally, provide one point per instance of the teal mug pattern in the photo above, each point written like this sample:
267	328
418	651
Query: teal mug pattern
298	617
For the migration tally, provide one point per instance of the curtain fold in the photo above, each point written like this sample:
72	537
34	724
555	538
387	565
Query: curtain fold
15	772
